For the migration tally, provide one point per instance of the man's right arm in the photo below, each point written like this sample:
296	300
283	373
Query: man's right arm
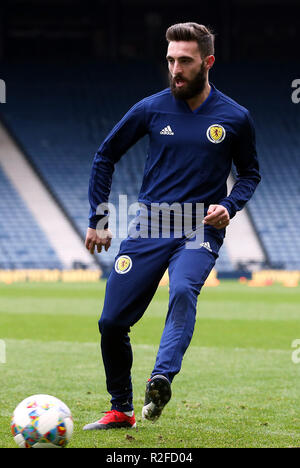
125	134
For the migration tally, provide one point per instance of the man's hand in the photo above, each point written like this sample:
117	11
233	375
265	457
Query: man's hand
98	238
217	216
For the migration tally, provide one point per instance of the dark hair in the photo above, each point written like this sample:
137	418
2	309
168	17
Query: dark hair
193	32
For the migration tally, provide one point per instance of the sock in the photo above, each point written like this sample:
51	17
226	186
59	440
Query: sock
128	413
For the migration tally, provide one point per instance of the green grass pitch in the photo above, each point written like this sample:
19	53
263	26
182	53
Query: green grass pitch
238	386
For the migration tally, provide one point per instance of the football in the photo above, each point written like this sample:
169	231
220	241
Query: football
42	421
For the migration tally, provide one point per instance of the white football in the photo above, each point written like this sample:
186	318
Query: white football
42	421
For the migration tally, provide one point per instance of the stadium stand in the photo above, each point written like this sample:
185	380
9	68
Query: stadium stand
23	245
275	206
60	116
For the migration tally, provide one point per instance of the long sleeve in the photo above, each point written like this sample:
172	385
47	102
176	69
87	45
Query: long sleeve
246	163
125	134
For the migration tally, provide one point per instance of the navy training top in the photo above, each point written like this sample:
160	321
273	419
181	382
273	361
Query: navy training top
190	153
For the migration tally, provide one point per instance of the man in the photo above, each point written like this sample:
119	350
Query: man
195	132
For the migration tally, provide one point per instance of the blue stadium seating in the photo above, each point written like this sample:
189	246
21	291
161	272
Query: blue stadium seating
275	206
23	245
61	115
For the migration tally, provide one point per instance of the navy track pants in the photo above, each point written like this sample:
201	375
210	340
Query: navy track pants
139	267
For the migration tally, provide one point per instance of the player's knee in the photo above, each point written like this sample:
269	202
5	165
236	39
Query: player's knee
183	303
182	290
106	326
110	327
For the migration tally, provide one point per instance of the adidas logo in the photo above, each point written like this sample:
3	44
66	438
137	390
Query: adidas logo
206	245
166	131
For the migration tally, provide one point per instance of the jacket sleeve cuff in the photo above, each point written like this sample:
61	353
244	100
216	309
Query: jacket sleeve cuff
229	206
94	220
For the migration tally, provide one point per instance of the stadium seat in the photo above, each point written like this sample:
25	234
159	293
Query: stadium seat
61	114
23	245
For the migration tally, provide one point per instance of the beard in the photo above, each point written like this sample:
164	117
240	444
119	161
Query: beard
191	88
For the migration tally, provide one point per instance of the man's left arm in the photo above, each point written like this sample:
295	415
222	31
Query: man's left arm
246	163
248	177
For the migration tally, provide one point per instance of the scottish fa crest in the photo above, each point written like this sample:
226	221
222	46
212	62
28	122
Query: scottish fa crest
216	133
123	264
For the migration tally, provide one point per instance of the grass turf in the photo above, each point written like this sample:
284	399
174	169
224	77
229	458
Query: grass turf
238	386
